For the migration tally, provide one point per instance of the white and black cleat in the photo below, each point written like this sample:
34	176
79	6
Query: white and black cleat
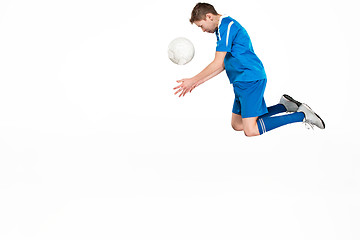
289	103
311	117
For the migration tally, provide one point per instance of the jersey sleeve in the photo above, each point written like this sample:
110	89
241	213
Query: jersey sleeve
227	33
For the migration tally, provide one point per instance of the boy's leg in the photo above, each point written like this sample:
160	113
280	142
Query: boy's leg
266	124
251	126
249	101
286	104
255	126
273	110
236	122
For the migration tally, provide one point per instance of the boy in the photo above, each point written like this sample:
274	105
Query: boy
235	54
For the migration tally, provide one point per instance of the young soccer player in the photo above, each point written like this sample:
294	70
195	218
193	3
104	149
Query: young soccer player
235	54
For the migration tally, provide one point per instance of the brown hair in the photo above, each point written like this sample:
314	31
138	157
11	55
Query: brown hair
200	10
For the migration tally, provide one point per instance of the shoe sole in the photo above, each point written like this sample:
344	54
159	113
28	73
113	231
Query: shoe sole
292	100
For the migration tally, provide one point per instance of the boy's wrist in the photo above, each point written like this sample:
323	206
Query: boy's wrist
195	79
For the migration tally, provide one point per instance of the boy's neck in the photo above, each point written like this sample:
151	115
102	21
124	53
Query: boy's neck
217	19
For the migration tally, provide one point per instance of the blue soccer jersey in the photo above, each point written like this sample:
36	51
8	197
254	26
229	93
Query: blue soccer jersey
241	62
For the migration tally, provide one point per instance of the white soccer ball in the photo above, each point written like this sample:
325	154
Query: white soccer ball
181	51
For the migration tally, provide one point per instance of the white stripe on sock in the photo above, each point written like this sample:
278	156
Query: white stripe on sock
263	125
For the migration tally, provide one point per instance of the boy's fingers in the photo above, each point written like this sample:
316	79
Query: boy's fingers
177	91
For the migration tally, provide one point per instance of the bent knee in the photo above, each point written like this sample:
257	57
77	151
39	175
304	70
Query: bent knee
251	132
237	127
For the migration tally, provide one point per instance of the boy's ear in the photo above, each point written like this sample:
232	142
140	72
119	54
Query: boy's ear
209	16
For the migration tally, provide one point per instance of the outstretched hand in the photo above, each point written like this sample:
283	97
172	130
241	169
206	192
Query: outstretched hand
187	85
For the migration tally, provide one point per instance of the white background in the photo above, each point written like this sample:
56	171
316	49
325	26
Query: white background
94	145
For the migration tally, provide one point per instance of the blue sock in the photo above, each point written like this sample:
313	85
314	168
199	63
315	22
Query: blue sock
273	110
266	124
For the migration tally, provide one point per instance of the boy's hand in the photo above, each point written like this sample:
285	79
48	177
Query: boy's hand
187	85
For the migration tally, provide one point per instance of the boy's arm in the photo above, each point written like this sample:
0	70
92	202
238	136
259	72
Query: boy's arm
213	69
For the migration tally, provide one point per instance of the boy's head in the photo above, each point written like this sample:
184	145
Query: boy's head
205	16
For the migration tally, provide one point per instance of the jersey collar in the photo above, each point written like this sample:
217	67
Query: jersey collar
221	18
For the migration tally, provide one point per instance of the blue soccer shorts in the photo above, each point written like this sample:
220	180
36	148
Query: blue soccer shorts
249	98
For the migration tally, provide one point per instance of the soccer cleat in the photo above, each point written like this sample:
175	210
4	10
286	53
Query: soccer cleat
311	117
289	103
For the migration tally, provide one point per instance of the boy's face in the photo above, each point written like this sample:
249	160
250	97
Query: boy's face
209	24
